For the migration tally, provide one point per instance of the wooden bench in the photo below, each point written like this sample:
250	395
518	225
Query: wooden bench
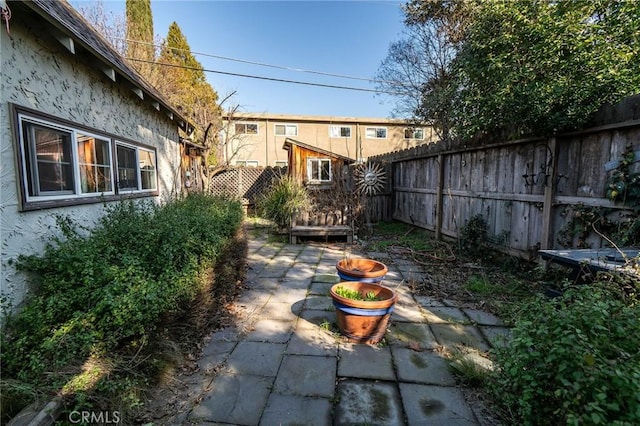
321	224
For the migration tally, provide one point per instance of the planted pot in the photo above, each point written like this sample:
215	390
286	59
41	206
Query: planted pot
361	270
363	321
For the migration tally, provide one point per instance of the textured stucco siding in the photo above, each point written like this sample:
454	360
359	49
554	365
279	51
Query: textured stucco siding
39	73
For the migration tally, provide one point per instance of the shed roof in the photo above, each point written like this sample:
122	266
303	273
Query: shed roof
71	29
288	142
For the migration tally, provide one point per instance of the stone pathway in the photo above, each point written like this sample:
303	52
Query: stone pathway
282	365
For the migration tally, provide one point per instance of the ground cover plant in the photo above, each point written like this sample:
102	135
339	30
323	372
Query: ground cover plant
571	359
106	296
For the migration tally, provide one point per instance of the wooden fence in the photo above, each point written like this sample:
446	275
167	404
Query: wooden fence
245	183
523	189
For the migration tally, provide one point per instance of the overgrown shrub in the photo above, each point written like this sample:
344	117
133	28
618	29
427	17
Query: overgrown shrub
473	237
105	289
573	360
284	198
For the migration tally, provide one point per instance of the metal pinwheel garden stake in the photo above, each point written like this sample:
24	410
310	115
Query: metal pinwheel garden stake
370	178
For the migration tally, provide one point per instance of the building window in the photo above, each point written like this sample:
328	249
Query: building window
414	133
246	128
247	163
286	129
376	132
136	168
318	170
339	131
62	164
282	164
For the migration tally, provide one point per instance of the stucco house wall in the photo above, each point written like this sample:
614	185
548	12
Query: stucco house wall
265	146
38	73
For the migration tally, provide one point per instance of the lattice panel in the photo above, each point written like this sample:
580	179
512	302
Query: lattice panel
245	183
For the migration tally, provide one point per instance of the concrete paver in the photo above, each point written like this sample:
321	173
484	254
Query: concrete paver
284	364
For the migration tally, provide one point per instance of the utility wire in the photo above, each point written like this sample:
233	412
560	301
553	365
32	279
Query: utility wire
262	64
332	86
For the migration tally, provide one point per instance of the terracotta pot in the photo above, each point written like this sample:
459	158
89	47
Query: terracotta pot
363	321
362	270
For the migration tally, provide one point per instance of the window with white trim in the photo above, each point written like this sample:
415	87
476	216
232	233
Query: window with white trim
414	133
246	128
319	170
286	130
61	163
339	131
282	164
247	163
376	132
136	168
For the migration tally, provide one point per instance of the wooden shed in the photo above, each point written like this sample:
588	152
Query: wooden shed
315	167
327	177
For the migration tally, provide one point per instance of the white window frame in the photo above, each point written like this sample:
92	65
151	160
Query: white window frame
413	131
335	131
376	132
247	163
281	163
31	181
319	161
246	124
138	169
290	129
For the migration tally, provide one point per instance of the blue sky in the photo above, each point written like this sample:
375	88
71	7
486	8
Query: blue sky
337	37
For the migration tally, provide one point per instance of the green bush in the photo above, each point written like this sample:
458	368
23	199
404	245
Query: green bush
285	197
102	289
573	360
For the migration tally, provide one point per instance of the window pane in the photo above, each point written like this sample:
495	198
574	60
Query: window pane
148	169
240	128
51	151
280	129
315	170
371	132
381	133
345	132
326	170
95	165
419	134
292	130
252	129
127	168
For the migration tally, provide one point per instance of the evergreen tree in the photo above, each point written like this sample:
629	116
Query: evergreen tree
140	35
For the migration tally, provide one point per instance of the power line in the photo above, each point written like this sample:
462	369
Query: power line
262	64
306	83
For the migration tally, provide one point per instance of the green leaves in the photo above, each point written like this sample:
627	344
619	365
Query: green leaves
112	286
573	360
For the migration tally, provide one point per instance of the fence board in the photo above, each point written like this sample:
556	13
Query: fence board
489	181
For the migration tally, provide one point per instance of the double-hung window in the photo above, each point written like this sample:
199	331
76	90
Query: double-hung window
63	164
339	131
286	130
376	132
318	170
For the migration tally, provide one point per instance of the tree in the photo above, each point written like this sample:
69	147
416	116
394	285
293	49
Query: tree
112	26
539	67
515	68
183	81
140	30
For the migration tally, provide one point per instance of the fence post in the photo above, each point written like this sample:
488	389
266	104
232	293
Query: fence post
549	193
439	191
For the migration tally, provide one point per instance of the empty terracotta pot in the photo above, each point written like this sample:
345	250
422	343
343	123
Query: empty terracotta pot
363	321
362	270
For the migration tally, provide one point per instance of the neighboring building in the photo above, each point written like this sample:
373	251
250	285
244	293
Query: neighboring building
254	139
79	129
